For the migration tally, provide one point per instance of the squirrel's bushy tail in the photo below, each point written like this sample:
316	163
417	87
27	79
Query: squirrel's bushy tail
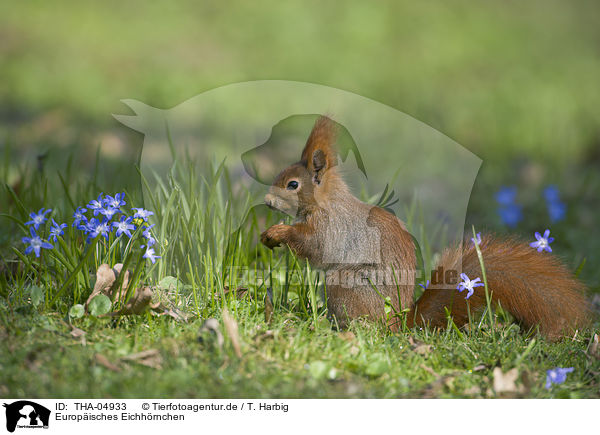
535	287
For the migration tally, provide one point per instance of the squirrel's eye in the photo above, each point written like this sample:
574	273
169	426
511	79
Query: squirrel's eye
292	185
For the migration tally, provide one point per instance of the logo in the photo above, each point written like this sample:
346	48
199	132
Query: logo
26	414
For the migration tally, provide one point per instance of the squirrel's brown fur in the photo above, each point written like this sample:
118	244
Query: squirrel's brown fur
363	246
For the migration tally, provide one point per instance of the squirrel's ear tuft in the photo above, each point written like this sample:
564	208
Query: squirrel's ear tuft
319	153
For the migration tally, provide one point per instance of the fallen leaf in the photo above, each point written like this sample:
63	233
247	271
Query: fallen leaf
211	326
149	358
419	347
505	383
78	333
103	361
231	327
479	367
137	304
473	390
105	280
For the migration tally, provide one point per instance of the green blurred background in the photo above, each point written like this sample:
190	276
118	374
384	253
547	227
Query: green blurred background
515	82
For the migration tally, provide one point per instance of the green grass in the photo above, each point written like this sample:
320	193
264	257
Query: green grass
515	83
297	354
288	358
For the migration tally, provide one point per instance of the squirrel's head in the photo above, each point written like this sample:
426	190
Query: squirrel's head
308	183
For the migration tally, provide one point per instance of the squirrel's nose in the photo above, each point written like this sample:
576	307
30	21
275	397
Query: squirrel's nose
269	199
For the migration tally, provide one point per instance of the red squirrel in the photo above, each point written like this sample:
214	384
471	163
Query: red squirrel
354	242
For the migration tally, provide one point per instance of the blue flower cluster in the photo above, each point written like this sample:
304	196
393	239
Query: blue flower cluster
557	375
556	208
35	242
104	209
510	212
105	216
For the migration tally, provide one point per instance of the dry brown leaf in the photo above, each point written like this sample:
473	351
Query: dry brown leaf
231	327
79	333
106	284
106	281
211	326
103	361
105	278
419	347
137	304
423	349
76	332
473	390
505	383
149	358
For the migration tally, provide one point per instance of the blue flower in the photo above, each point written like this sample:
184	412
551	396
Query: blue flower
142	214
102	229
557	211
557	375
79	216
150	254
109	212
510	214
556	208
94	228
551	193
506	195
115	202
96	205
38	219
477	239
424	285
543	243
124	226
56	230
469	285
35	243
148	236
90	225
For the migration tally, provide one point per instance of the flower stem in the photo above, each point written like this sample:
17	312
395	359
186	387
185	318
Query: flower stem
488	300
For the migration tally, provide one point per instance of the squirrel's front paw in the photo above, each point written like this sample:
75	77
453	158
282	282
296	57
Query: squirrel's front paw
274	236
